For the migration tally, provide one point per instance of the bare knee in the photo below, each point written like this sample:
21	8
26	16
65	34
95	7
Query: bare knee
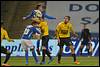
72	49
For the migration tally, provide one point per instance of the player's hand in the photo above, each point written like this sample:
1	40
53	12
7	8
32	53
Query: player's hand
37	36
24	18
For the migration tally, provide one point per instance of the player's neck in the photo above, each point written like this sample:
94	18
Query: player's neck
65	22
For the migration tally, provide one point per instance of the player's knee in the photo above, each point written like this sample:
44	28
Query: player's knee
31	49
59	53
26	49
72	50
61	48
8	53
43	48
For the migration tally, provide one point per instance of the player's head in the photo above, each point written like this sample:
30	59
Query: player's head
84	26
40	7
66	19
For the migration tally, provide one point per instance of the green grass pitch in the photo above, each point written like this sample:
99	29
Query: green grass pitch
65	61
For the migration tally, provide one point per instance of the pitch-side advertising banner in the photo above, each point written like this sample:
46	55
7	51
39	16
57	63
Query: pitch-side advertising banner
16	48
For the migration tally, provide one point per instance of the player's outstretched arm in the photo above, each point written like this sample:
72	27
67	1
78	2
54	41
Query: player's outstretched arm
49	17
30	15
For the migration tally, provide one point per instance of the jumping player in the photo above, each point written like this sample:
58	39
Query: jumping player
26	43
41	10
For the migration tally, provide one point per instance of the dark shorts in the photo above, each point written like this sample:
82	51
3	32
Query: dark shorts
4	50
85	42
45	40
65	41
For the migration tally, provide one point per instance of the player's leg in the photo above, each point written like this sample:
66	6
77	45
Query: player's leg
87	46
70	45
81	47
73	54
25	48
45	40
43	55
32	48
37	36
90	48
60	54
60	50
5	51
47	50
34	55
38	43
44	49
26	55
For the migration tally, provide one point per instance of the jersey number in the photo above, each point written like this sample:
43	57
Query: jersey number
26	31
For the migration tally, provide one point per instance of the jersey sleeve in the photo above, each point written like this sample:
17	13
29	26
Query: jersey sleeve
6	36
35	30
30	15
57	30
47	16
